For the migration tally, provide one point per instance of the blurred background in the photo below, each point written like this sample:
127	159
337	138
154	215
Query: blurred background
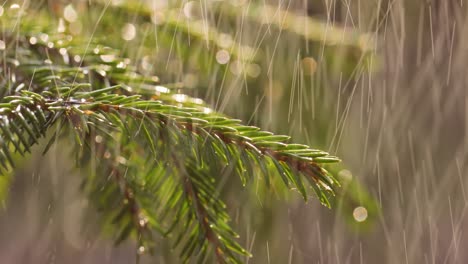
381	84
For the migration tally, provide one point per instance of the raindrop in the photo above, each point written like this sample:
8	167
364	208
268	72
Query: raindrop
128	32
77	58
222	56
70	14
61	26
180	97
190	9
98	139
254	70
101	72
161	89
141	250
121	160
360	214
198	101
107	57
143	221
309	65
44	37
64	53
120	65
50	45
15	6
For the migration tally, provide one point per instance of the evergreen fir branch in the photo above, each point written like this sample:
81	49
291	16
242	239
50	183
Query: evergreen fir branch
24	119
154	156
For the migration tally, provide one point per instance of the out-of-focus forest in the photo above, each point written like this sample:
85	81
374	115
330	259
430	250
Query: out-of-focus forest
381	84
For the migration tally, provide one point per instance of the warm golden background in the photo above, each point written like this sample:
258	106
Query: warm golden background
380	83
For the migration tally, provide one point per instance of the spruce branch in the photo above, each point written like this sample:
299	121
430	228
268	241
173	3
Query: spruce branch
154	155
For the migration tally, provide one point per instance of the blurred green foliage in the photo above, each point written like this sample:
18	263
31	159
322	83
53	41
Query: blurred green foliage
249	60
